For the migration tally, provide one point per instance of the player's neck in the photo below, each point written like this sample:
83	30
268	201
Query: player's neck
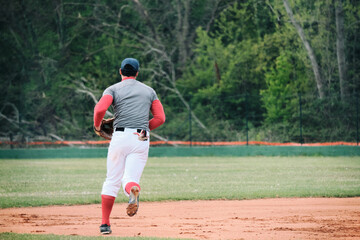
125	78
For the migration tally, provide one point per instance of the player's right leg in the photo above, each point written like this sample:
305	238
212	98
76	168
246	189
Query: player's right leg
134	166
133	204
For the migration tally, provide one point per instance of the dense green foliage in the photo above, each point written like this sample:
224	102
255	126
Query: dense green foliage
239	67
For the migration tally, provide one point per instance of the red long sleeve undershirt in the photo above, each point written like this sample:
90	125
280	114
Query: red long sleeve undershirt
100	109
157	111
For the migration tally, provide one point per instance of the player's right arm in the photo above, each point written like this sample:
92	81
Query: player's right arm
100	110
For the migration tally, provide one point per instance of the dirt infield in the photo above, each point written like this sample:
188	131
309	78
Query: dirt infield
281	218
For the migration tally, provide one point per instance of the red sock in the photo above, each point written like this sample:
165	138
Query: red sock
107	202
129	185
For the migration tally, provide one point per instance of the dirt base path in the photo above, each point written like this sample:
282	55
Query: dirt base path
282	218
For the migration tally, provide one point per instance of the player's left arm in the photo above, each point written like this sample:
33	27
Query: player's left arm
158	113
100	110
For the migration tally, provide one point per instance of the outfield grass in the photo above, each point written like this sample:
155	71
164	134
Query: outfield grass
32	182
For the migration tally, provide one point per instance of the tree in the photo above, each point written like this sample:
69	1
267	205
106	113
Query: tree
211	58
340	48
311	54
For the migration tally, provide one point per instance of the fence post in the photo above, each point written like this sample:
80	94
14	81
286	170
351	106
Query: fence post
190	133
11	141
300	116
357	119
246	119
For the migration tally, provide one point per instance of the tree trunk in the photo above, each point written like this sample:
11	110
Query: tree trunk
217	72
183	29
144	14
340	47
310	52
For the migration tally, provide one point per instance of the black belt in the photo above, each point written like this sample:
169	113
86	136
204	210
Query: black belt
121	129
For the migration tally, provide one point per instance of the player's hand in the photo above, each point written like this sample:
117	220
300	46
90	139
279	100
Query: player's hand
142	135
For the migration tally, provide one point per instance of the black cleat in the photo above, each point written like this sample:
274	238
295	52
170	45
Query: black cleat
105	229
133	205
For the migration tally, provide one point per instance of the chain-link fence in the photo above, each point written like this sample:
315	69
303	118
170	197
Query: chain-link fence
244	118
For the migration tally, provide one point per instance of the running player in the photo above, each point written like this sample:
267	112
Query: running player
129	147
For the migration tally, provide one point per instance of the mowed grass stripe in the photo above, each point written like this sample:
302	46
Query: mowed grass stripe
32	182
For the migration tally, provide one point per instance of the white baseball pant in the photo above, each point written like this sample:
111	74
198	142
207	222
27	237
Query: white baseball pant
126	159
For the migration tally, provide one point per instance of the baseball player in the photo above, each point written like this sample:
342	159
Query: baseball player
128	150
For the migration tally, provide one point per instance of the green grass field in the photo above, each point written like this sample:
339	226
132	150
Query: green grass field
78	181
37	182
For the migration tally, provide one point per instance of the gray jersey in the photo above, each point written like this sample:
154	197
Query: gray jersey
132	102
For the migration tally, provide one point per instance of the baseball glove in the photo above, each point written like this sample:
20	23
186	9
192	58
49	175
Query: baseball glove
106	128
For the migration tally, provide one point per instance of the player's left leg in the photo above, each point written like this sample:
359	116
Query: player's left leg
115	170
